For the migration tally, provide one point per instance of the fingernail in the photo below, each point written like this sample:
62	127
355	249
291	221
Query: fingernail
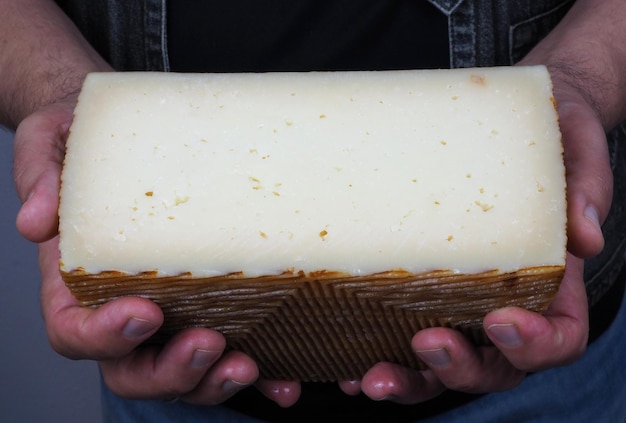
439	357
505	334
203	358
138	328
592	215
232	386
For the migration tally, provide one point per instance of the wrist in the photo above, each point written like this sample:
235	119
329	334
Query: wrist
581	53
593	75
44	85
44	58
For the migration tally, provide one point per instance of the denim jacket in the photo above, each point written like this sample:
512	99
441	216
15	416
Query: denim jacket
132	35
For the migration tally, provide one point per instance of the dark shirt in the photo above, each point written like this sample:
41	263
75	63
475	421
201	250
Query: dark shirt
287	35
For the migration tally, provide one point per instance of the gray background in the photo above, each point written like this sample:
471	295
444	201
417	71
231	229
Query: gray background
36	384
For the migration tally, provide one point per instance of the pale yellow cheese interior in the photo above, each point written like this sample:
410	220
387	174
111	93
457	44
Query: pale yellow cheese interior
357	172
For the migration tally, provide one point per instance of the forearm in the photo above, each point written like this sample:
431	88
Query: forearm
43	58
588	50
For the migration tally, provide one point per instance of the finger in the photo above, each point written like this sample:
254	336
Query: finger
37	218
350	387
77	332
172	370
391	382
531	341
282	392
589	177
39	147
461	366
234	372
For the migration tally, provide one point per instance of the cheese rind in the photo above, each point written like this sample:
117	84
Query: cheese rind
351	172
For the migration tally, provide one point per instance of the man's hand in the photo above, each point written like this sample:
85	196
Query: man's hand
193	365
523	341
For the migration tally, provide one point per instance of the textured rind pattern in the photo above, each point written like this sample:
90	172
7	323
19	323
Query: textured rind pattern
325	326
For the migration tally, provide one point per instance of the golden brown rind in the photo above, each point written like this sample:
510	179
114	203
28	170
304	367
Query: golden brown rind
325	326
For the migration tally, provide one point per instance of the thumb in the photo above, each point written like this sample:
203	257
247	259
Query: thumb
39	148
589	177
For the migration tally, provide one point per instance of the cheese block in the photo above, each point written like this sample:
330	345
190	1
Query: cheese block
317	219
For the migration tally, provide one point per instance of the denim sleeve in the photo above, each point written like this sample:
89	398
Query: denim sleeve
493	32
130	35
